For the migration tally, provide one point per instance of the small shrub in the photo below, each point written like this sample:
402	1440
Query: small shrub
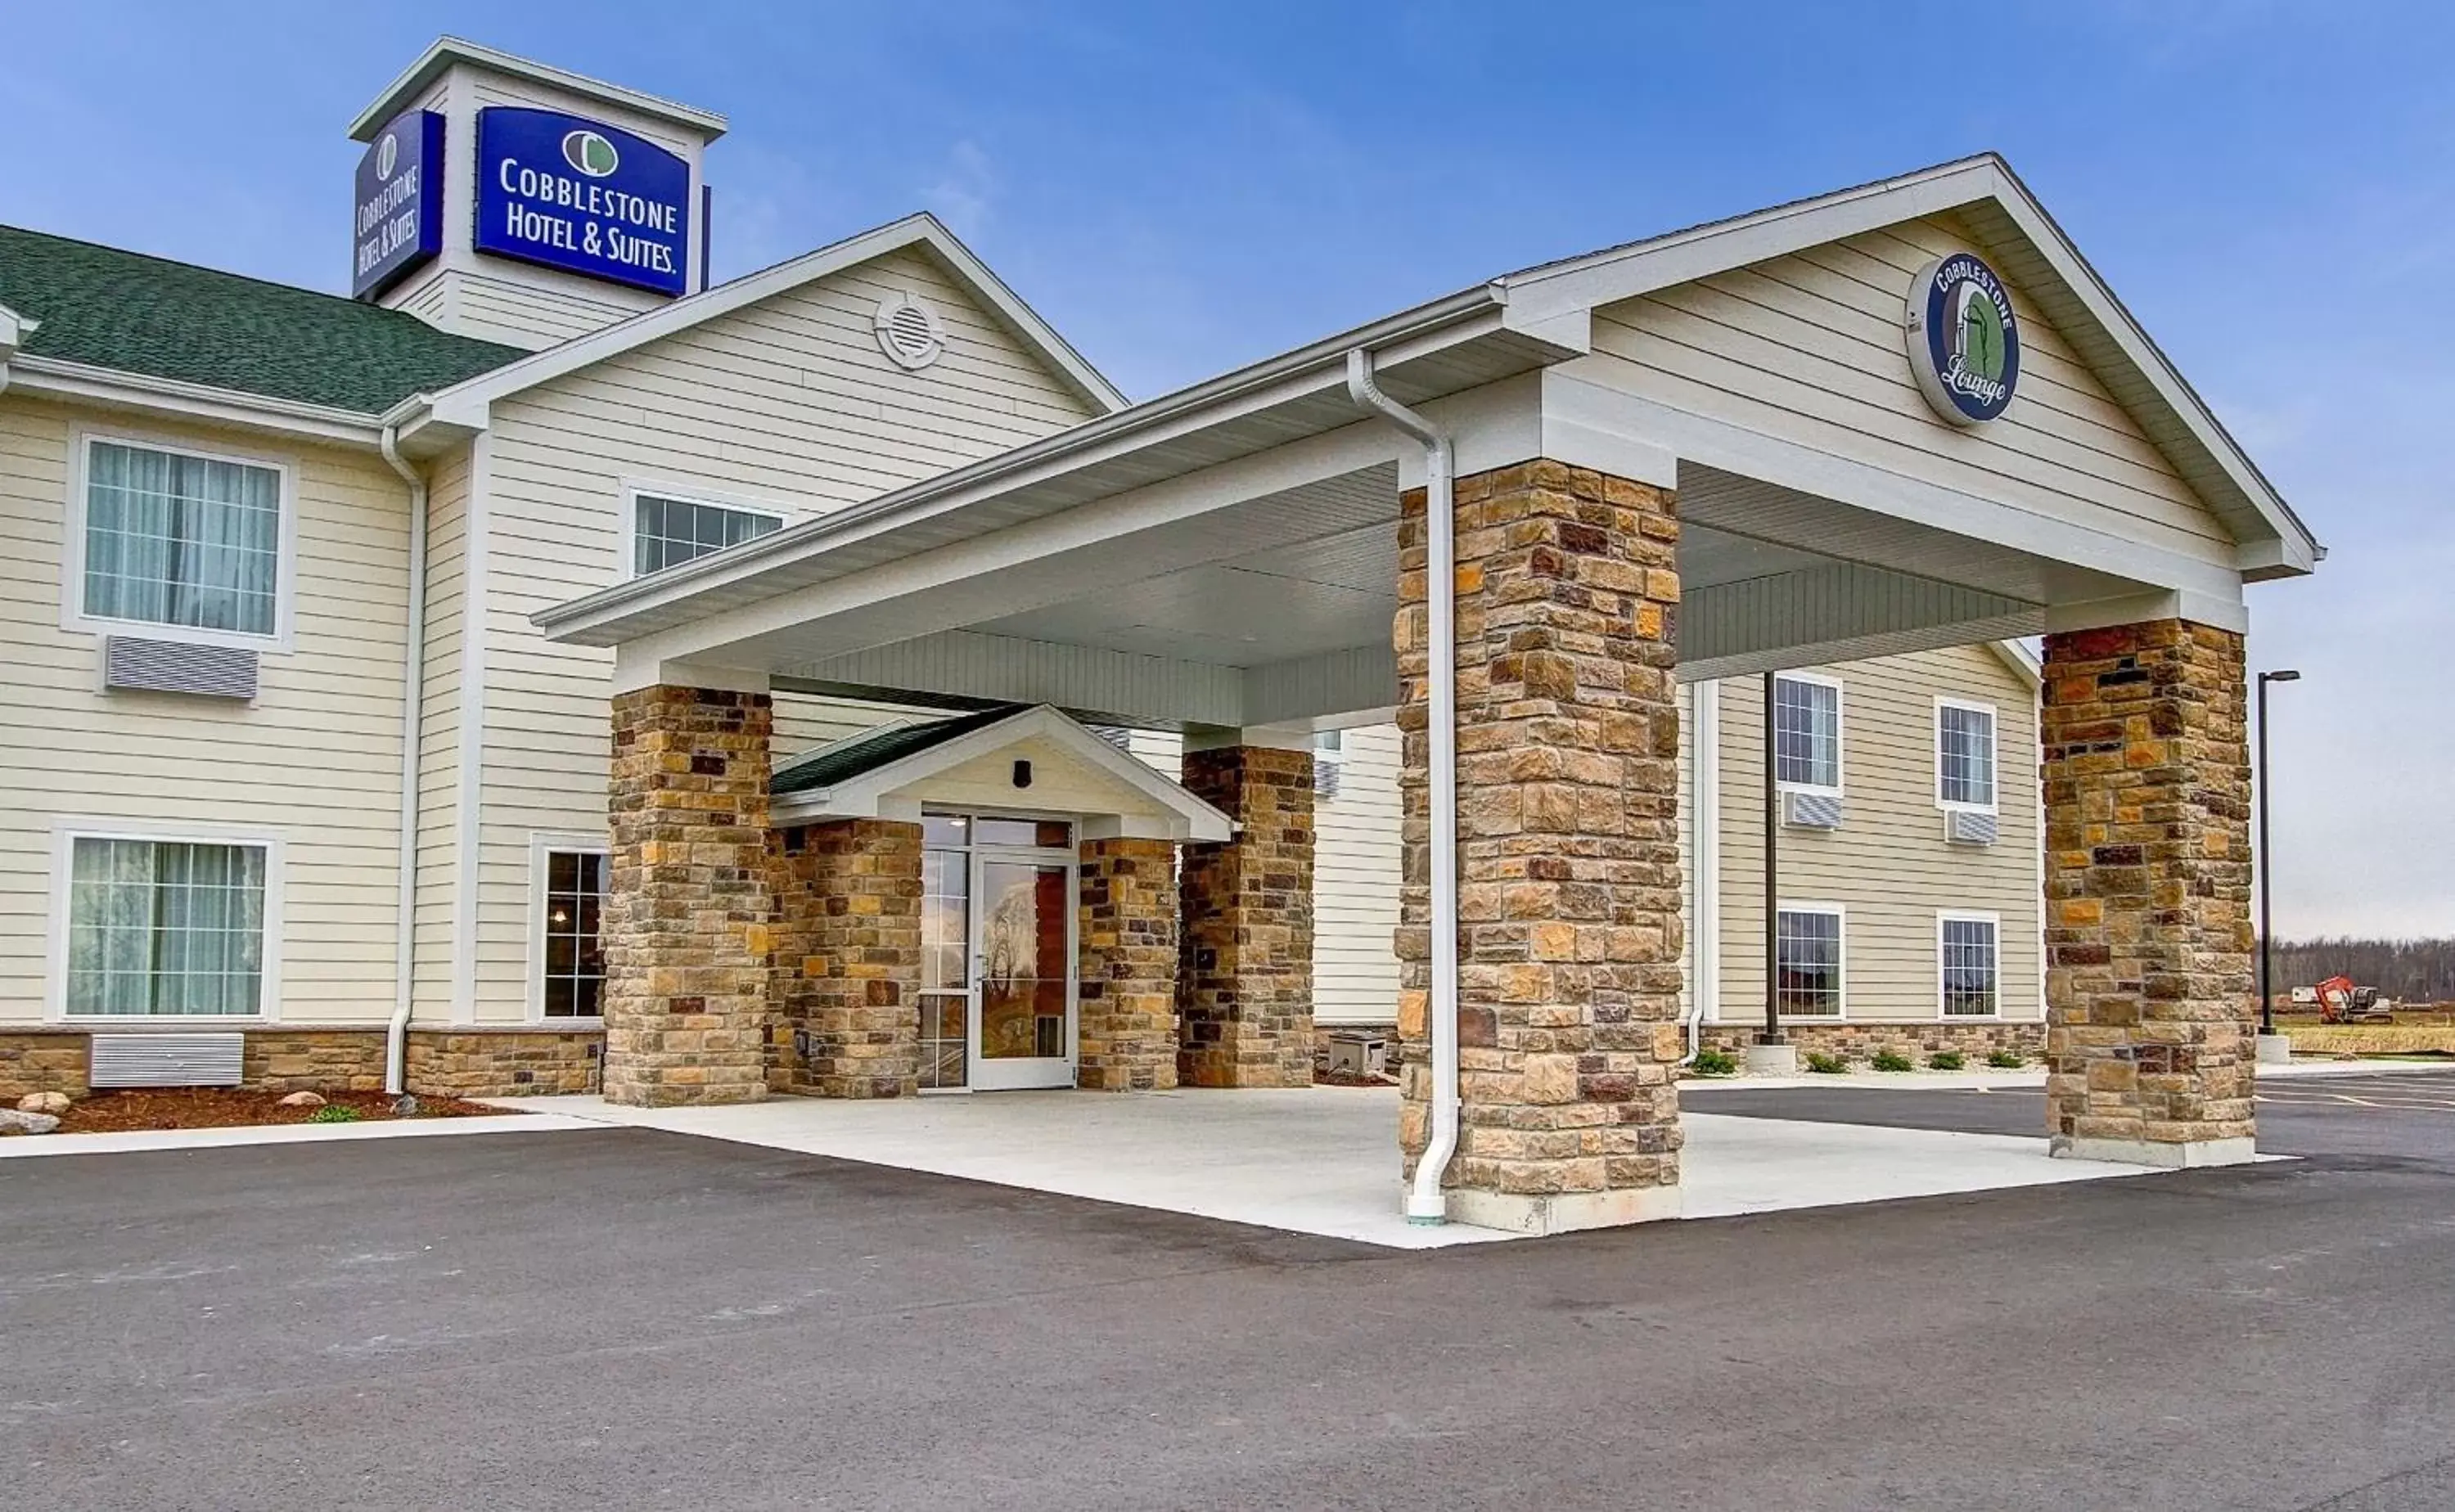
2005	1059
1825	1065
1892	1061
336	1112
1711	1062
1945	1060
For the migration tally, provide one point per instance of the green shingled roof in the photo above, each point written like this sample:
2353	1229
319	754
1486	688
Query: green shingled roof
133	313
854	754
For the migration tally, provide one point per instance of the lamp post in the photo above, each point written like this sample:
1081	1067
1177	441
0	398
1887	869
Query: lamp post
2267	929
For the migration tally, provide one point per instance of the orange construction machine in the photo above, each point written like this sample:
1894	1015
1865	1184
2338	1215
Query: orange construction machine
2340	1001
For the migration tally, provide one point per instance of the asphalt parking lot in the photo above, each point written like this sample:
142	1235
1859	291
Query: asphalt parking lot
628	1319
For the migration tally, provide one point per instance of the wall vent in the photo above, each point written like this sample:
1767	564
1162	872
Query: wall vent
171	666
1812	811
168	1060
908	332
1967	827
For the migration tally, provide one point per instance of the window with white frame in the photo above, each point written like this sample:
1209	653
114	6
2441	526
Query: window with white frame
164	927
180	539
1807	961
1329	762
1970	963
1964	755
572	931
1806	732
669	531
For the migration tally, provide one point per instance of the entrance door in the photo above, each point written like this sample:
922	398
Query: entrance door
1022	971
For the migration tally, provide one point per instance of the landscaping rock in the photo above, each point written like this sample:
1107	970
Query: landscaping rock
43	1103
12	1122
303	1099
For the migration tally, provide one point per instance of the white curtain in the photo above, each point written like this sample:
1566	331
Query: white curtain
164	927
181	540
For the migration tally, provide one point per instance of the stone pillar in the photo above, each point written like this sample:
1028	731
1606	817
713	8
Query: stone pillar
848	959
1244	991
1126	1006
1570	926
687	925
2149	998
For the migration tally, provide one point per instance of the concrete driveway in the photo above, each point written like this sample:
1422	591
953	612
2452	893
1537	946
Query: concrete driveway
633	1318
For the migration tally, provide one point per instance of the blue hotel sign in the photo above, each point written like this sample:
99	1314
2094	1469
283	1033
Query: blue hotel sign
398	223
581	196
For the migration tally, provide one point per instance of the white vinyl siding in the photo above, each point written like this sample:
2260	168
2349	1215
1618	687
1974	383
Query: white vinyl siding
1890	867
1808	348
314	761
789	403
1356	861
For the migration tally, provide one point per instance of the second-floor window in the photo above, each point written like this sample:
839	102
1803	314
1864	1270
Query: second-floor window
1964	755
180	539
669	531
1806	732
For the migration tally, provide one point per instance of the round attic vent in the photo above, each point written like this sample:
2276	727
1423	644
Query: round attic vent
907	332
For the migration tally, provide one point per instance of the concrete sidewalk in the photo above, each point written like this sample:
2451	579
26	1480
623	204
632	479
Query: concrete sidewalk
1322	1160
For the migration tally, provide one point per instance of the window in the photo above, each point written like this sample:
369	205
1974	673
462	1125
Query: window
167	927
1807	961
1970	966
1806	732
190	541
1329	762
574	933
1964	755
669	531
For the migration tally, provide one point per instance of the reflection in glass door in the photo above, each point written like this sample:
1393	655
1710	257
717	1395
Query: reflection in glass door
997	953
1027	914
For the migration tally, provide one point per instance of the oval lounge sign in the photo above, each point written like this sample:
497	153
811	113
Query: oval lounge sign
1964	344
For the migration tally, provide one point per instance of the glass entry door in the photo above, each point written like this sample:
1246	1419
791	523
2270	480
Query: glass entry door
998	955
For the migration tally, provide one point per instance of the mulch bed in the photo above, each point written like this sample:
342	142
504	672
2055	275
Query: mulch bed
223	1107
1349	1078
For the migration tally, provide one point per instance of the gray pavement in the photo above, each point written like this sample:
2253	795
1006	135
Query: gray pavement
635	1319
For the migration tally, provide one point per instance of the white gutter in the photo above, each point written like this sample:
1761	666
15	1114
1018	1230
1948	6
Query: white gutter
1425	1201
413	700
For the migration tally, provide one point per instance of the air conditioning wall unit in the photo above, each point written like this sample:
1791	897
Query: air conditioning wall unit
138	664
1969	827
1812	811
168	1060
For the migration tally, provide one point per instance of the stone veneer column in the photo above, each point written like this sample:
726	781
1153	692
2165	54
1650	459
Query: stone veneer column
848	959
1570	926
2149	997
1244	990
1125	1007
687	923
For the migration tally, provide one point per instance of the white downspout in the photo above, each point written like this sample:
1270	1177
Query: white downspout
412	702
1705	830
1425	1201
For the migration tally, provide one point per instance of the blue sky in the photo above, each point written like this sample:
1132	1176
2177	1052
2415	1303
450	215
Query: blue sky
1182	189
